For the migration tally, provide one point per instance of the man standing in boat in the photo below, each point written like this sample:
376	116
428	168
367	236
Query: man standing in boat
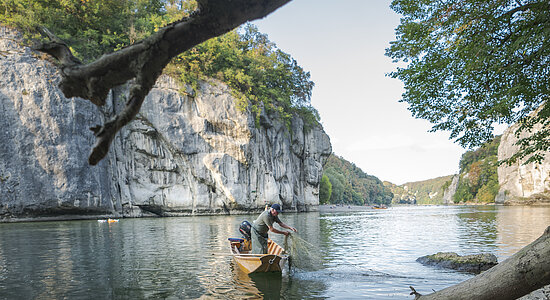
263	224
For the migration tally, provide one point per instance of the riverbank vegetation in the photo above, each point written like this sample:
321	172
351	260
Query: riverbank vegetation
345	183
478	174
261	76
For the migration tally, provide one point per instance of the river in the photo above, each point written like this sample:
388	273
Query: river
362	255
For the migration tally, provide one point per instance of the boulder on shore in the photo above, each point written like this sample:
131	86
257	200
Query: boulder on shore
476	263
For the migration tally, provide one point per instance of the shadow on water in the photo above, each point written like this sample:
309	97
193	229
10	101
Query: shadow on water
257	286
269	284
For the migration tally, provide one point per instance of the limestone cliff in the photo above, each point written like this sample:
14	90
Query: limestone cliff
182	155
521	183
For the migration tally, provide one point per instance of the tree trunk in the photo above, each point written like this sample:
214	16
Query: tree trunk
524	272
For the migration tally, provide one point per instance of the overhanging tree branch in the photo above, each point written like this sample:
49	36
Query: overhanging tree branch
145	60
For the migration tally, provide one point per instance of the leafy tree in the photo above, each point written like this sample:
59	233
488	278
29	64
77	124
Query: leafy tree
487	192
325	190
471	64
90	27
488	149
338	186
463	191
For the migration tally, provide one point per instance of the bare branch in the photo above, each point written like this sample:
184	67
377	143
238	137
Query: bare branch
56	48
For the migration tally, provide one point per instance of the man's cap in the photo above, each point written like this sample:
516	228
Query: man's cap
277	207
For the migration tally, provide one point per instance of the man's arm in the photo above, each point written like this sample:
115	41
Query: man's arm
275	230
288	227
284	226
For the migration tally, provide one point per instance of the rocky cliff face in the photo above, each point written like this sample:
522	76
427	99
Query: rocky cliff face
519	183
182	155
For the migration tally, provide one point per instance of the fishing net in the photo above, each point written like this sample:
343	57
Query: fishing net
303	255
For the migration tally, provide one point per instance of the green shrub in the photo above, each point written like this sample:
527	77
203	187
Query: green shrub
325	190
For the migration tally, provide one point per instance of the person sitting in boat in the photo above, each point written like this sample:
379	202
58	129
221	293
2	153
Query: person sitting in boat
263	224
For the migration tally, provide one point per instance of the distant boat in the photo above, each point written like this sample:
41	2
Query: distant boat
379	207
274	261
108	221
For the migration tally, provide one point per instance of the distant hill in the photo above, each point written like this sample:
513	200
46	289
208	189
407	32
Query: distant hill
477	181
420	192
343	182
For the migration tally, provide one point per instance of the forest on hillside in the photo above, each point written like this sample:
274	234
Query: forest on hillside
345	183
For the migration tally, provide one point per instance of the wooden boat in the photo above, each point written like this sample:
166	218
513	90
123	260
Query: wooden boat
275	260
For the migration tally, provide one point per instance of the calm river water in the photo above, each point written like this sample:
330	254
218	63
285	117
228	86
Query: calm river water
363	255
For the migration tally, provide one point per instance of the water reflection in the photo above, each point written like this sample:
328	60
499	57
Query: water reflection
368	254
258	286
477	230
519	226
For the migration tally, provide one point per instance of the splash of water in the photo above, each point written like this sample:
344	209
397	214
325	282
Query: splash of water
303	255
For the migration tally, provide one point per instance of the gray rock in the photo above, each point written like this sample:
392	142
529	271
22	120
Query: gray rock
476	263
182	155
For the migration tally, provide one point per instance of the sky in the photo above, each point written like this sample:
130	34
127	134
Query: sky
342	43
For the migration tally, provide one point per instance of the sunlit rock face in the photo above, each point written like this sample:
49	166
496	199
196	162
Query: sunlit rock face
182	155
186	155
519	183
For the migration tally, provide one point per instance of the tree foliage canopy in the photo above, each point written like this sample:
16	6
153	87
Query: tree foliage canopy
470	64
423	192
325	190
93	27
